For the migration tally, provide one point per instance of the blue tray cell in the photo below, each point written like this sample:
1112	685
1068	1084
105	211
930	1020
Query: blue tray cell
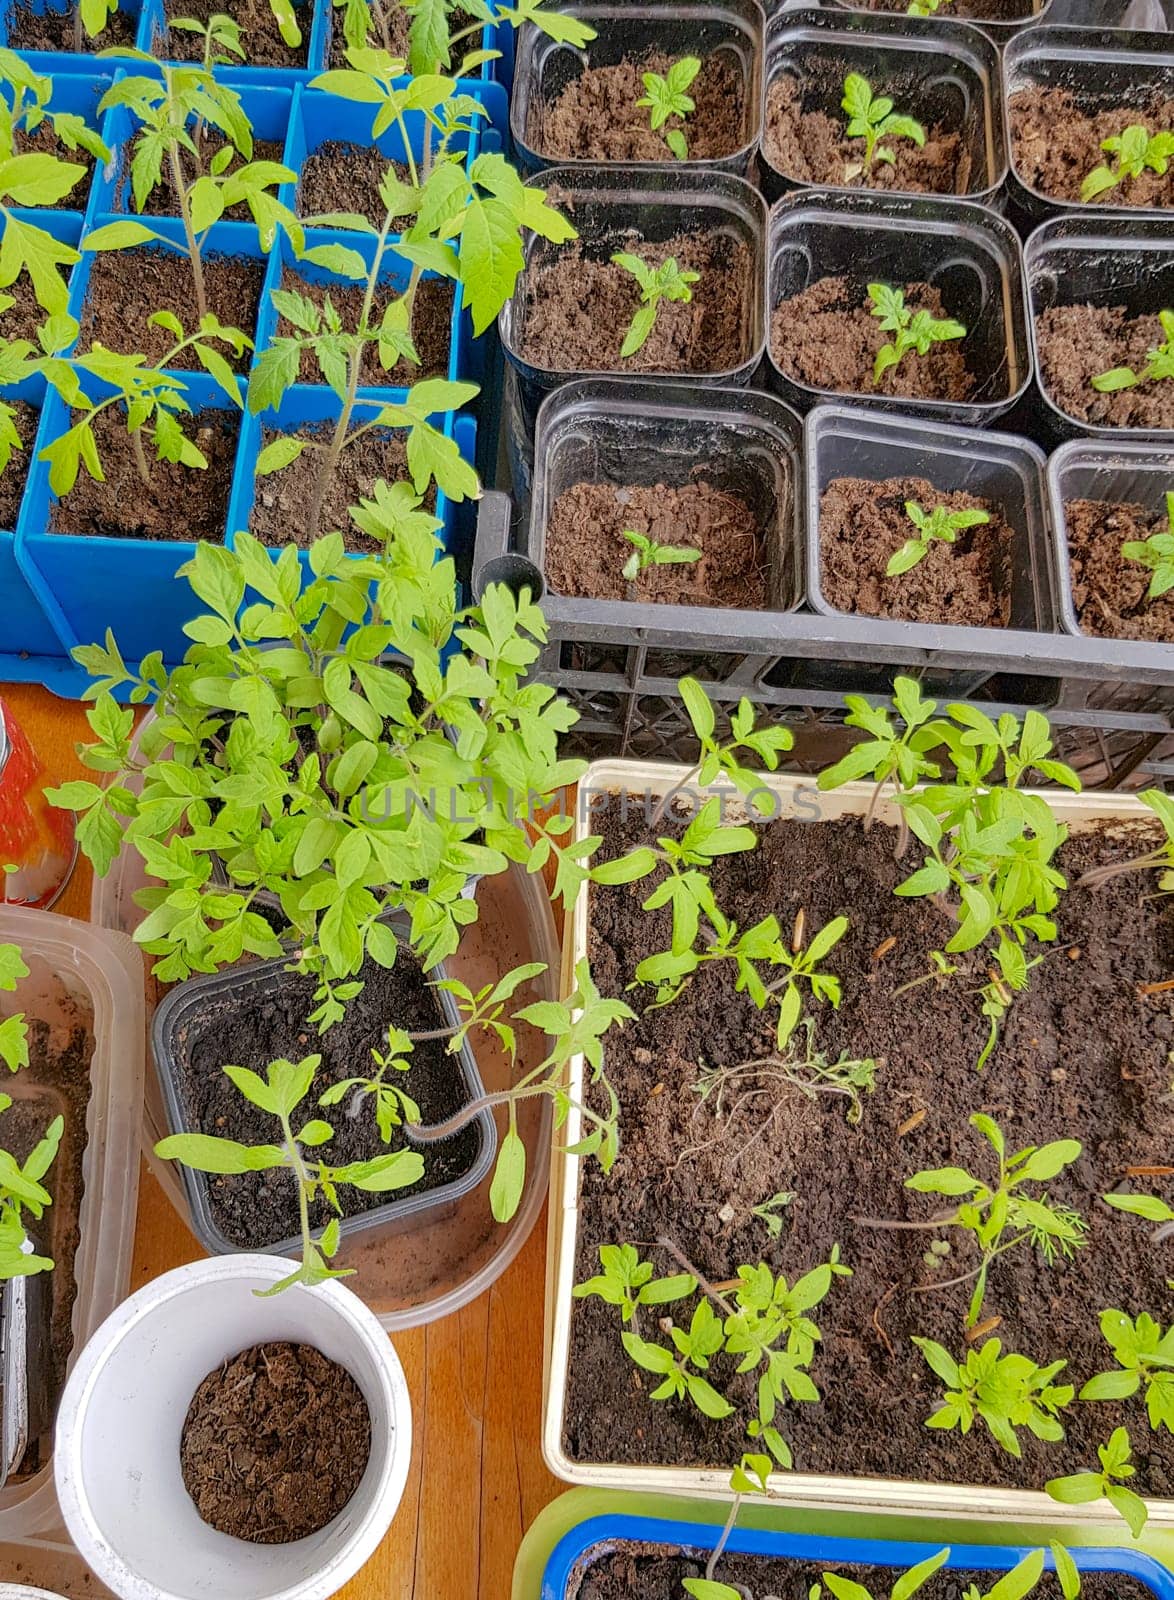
153	36
68	60
79	93
66	228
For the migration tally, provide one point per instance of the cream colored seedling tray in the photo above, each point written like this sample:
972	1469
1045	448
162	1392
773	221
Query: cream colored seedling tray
791	796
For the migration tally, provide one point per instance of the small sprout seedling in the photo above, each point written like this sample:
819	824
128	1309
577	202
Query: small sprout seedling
1159	363
913	330
657	285
1003	1391
939	523
433	43
1145	1360
21	1191
668	97
1082	1488
1156	553
1135	149
648	552
924	8
14	1041
903	1588
768	1213
628	1282
873	119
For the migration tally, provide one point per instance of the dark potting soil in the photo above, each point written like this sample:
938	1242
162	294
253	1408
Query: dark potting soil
586	548
596	117
389	31
862	524
827	337
1082	1055
346	177
1108	591
808	143
577	308
274	1444
255	1210
127	286
161	201
1078	343
431	327
282	500
15	474
25	315
1057	143
263	44
633	1571
180	503
965	10
54	30
56	1082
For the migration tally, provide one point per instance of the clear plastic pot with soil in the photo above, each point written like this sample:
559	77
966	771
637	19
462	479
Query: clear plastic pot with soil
1001	19
956	266
698	1174
1066	92
583	105
1097	290
574	306
82	1002
942	75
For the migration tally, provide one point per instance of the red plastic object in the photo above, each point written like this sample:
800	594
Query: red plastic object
37	843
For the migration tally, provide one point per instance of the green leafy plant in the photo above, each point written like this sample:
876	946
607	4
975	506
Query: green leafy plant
667	98
722	757
1159	363
1148	1206
768	1213
648	552
1000	1214
925	8
628	1282
658	285
872	119
280	1093
889	755
1005	1392
21	1192
221	37
1026	1574
432	42
1116	1465
912	330
903	1588
1156	553
941	524
14	1043
36	178
1136	150
1145	1361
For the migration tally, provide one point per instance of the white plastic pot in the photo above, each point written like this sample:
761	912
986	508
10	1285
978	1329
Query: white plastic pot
120	1420
23	1591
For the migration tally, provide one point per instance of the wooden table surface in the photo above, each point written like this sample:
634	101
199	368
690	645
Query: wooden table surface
477	1478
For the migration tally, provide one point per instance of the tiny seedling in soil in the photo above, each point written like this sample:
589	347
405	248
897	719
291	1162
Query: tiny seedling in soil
936	524
1135	149
657	285
873	119
667	98
1003	1391
925	8
768	1213
1145	1361
913	330
1082	1488
222	45
1156	554
21	1189
648	552
1159	364
999	1214
14	1042
1017	1584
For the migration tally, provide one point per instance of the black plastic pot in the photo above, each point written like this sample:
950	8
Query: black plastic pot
938	71
627	29
966	251
1076	260
1102	68
246	989
607	205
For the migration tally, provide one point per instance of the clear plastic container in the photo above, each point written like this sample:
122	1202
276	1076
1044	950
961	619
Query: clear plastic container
79	975
44	1566
1033	12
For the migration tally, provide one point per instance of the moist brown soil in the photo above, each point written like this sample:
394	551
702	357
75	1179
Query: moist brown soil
14	476
161	201
25	315
809	145
255	1210
1077	343
56	1082
828	338
263	45
54	30
647	1572
596	117
975	10
586	549
279	510
391	34
1081	1055
346	177
181	503
431	327
275	1443
862	524
127	286
1108	591
577	309
1056	144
